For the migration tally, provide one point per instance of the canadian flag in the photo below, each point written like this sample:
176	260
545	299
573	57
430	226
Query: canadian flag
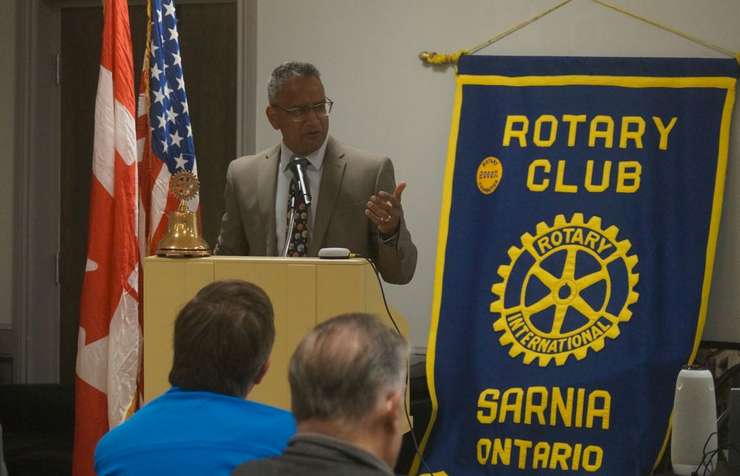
110	340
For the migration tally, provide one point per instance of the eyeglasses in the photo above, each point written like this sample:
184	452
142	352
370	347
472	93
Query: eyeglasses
300	113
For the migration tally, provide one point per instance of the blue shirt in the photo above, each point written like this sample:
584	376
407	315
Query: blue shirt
186	432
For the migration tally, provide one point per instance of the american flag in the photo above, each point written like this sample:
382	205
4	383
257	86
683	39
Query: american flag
164	133
109	340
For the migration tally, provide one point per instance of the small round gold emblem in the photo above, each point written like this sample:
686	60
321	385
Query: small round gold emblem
488	175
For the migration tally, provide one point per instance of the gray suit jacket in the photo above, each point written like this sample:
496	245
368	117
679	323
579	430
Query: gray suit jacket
349	176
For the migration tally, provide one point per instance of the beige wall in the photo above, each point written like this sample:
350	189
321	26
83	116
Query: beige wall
388	102
7	156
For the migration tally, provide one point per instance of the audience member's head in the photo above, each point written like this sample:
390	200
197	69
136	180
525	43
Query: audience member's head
223	338
347	380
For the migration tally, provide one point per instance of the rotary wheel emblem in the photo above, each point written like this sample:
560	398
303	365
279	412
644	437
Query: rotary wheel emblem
565	291
184	184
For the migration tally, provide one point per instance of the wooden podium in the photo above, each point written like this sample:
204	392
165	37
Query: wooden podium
303	291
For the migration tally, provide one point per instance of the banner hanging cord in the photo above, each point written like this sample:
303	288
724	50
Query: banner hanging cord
434	58
442	59
686	36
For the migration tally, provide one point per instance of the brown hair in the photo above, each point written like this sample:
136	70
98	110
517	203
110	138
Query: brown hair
223	337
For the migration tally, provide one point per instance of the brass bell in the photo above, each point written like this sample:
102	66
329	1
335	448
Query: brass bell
183	236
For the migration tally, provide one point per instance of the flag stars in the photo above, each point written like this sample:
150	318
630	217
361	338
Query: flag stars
176	139
171	115
156	72
181	162
158	97
170	7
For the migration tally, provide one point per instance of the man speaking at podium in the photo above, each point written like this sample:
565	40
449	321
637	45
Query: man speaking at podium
326	193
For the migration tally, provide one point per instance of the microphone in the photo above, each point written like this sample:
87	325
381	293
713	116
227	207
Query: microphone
298	167
336	253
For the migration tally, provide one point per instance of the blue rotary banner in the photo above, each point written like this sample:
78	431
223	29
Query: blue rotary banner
580	214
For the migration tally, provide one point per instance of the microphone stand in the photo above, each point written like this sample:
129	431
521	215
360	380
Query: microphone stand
297	165
291	225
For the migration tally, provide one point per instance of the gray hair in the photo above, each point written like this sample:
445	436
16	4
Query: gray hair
281	74
340	369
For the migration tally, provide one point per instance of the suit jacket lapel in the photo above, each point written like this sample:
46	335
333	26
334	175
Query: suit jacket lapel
331	183
267	184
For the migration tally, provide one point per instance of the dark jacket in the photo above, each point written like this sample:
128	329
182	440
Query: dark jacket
317	455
